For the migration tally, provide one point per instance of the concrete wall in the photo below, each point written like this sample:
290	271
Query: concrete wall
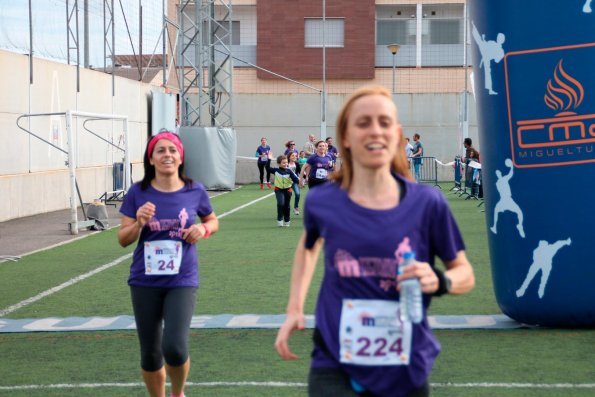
33	175
280	117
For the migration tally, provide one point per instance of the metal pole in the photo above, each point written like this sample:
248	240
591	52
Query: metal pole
78	50
113	51
465	93
31	44
164	35
86	32
394	69
323	121
71	175
140	39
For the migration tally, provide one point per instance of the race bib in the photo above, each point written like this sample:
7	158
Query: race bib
163	257
371	333
321	173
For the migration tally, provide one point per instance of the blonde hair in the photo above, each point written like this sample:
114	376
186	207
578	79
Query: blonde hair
344	175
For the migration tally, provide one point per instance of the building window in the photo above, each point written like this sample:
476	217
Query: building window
400	31
221	29
334	33
446	31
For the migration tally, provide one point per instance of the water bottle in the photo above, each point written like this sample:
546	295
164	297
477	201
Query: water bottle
411	298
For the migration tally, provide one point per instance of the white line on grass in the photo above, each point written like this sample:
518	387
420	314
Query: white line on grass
75	280
68	283
484	385
245	205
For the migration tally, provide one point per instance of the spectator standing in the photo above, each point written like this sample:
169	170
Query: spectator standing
472	172
418	152
160	213
470	152
408	151
309	147
408	148
264	155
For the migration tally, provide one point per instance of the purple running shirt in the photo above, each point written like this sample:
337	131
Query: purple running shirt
175	211
362	250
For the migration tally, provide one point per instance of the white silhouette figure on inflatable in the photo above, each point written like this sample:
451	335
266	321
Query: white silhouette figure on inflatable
490	51
506	202
543	256
587	7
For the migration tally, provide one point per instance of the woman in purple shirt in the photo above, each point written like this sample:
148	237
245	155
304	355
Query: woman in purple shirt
368	217
160	212
264	156
318	167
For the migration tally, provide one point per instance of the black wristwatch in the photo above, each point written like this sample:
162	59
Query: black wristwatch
444	283
448	283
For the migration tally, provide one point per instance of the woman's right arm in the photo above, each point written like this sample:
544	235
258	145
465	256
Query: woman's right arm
304	263
130	228
305	170
129	231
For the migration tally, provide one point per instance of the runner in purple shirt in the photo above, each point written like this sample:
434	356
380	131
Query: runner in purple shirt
368	217
318	167
264	155
160	212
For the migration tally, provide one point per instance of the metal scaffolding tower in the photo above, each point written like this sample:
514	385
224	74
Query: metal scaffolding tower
72	33
205	62
109	39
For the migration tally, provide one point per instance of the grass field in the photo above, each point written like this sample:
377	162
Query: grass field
245	269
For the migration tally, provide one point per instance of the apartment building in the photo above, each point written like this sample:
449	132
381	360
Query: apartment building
286	37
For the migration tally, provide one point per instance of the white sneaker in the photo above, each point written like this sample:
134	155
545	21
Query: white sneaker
279	223
296	211
286	224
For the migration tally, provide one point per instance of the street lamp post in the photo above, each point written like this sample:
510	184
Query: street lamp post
394	48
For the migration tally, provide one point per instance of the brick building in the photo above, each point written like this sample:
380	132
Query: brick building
285	37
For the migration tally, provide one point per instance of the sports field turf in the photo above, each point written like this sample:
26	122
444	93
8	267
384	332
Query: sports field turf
245	270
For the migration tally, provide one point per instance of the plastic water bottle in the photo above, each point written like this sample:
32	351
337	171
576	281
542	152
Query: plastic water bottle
411	298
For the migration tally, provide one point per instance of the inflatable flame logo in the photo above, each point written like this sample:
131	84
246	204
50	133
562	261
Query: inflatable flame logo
564	92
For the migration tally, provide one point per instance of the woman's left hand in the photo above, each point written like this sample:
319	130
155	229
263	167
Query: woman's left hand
423	271
194	233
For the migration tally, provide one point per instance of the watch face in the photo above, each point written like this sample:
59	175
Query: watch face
448	283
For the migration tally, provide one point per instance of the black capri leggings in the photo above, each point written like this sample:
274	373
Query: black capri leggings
261	168
173	306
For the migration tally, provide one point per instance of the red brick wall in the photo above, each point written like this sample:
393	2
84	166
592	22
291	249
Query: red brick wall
280	39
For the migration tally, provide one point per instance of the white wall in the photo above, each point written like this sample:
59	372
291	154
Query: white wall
33	175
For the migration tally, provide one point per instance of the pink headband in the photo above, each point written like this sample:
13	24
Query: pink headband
170	137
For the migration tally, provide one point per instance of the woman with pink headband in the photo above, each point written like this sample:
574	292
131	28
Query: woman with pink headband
160	212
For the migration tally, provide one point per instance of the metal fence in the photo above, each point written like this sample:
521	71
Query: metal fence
425	170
